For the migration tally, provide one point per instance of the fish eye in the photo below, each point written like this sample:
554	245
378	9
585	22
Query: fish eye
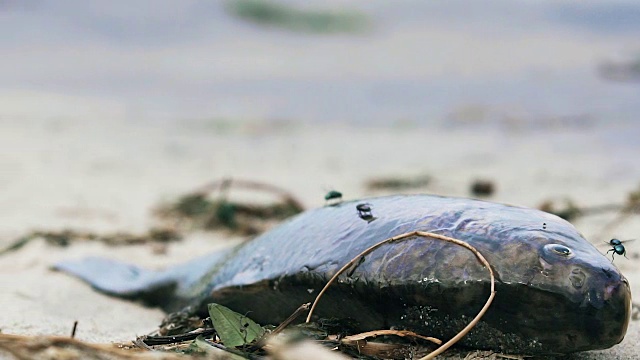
560	250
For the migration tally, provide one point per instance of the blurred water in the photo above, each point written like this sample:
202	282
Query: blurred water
517	64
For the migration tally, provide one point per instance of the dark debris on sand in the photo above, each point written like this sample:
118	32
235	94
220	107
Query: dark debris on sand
211	208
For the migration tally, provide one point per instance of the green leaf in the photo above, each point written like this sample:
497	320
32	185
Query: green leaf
233	329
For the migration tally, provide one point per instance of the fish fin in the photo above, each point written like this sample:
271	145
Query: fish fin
119	279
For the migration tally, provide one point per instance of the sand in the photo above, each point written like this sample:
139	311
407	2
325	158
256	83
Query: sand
107	175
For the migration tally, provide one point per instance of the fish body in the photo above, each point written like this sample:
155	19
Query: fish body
556	293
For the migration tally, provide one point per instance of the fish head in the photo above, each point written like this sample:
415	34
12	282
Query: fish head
596	297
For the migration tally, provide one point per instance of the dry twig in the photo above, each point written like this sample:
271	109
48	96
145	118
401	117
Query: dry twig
401	333
263	340
73	330
172	339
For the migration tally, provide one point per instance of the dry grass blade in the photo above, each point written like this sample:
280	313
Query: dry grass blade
382	349
424	234
488	355
263	340
291	318
401	333
378	350
150	340
67	237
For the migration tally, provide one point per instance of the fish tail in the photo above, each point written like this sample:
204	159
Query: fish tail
118	278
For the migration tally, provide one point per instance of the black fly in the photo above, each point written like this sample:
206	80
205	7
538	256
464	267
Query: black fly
364	212
617	248
333	197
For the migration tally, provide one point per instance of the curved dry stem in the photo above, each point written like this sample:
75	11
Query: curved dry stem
425	234
401	333
224	184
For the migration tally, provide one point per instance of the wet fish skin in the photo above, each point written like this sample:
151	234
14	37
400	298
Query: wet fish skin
547	302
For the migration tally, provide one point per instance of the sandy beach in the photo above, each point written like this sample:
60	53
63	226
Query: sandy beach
109	177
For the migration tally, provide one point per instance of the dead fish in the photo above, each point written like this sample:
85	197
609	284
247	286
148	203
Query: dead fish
556	293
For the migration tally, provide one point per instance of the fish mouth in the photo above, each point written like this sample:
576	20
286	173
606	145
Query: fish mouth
608	310
592	310
611	290
563	325
618	295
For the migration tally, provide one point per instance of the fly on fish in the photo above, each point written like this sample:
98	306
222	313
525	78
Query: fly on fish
555	292
333	197
364	212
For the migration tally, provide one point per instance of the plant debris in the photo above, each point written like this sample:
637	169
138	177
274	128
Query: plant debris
277	14
623	71
66	237
361	344
483	187
233	329
150	340
210	208
490	355
400	333
398	183
194	210
57	347
180	322
233	336
568	210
